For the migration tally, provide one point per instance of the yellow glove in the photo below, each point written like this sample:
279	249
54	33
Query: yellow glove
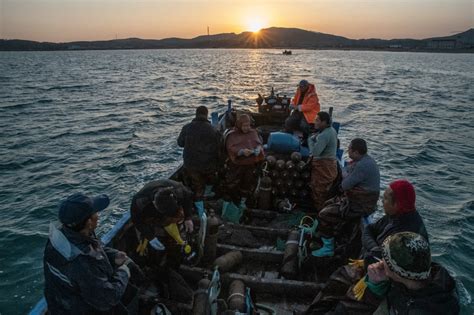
359	263
359	289
173	231
142	248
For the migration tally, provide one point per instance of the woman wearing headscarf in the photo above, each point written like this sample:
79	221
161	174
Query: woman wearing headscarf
244	149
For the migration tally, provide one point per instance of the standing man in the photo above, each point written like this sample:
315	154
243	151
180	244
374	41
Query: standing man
200	141
323	147
361	187
305	106
81	275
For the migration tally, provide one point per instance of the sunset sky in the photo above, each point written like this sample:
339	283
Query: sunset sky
70	20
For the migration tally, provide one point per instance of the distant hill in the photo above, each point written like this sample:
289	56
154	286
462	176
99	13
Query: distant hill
273	37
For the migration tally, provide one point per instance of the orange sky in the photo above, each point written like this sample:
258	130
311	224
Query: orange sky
70	20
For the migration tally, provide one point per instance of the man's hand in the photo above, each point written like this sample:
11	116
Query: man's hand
120	258
299	107
376	272
189	226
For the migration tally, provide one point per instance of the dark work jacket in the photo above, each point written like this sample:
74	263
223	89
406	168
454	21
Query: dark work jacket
83	280
201	143
438	297
374	234
143	212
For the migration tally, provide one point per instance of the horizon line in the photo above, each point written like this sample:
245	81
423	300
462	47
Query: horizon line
173	37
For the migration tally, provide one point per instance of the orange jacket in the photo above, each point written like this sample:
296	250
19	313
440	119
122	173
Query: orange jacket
310	106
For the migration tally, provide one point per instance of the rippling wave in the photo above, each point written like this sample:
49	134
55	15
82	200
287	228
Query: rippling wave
107	121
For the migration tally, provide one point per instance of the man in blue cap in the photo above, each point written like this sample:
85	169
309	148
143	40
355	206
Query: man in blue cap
81	275
305	107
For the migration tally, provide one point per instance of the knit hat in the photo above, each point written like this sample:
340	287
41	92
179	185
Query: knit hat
166	202
243	118
408	255
405	195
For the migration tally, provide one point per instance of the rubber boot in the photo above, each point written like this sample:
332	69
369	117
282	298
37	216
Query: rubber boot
199	205
231	212
225	204
327	250
208	193
242	205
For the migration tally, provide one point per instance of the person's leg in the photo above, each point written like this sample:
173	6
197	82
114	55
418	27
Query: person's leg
323	173
210	178
198	181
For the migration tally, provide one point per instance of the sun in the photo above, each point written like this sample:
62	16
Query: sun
254	25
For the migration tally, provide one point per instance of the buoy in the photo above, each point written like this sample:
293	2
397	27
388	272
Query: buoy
280	165
210	243
271	160
265	193
200	301
228	261
236	299
289	268
295	157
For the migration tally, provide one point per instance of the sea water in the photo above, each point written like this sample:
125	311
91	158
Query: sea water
107	122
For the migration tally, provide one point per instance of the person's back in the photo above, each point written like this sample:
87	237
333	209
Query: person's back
363	175
361	180
200	141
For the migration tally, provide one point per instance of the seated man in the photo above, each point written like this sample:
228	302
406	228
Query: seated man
201	142
406	281
305	106
361	187
156	211
400	216
82	276
245	150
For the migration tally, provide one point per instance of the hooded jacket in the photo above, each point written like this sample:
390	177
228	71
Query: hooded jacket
80	275
201	143
310	105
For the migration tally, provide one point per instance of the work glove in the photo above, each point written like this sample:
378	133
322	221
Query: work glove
142	248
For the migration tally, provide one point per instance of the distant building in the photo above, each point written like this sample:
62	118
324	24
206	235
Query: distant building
395	46
443	44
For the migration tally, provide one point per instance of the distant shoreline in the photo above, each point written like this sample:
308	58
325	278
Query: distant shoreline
269	38
450	51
